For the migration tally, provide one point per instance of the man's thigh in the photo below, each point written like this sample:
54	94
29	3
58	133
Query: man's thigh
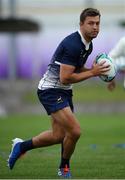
58	130
66	119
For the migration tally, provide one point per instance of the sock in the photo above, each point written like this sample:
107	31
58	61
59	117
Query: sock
26	146
64	162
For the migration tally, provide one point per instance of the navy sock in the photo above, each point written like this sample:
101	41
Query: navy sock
64	162
26	146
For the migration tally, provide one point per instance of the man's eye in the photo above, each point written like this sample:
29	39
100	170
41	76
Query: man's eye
91	23
97	23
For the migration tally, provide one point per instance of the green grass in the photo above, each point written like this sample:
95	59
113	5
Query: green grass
88	91
95	155
97	92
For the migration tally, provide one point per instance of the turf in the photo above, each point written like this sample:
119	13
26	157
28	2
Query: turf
100	152
87	91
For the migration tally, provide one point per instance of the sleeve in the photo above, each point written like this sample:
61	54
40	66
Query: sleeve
118	54
70	55
118	50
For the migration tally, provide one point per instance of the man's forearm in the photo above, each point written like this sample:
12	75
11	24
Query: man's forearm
77	77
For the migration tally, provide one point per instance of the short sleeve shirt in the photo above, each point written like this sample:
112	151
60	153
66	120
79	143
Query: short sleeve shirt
71	51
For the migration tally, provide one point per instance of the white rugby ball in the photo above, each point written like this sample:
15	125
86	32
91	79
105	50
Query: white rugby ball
109	75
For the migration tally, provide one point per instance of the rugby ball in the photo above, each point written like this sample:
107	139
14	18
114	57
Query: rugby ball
109	75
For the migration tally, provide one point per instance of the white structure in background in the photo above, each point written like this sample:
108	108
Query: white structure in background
118	54
63	12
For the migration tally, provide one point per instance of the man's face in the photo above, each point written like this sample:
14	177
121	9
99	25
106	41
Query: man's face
90	27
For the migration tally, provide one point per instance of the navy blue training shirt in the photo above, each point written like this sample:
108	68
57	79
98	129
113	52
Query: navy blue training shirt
71	51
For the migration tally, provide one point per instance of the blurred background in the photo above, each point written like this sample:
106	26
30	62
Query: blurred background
30	31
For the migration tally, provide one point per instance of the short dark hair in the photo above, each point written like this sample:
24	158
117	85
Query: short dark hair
89	12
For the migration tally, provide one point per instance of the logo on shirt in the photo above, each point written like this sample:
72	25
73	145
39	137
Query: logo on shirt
83	54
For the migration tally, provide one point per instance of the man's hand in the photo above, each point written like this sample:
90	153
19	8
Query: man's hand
111	86
100	68
69	76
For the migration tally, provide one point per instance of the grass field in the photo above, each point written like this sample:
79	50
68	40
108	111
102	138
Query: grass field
87	91
100	152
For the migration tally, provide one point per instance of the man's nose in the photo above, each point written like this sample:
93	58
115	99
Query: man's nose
95	26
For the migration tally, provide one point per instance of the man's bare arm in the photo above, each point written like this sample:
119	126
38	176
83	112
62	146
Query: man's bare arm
68	75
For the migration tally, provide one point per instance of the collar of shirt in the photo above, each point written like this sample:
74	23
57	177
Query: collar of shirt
84	41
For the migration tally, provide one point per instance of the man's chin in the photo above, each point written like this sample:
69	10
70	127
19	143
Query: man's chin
94	36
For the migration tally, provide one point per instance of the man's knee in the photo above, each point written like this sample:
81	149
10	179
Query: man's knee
58	138
75	133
